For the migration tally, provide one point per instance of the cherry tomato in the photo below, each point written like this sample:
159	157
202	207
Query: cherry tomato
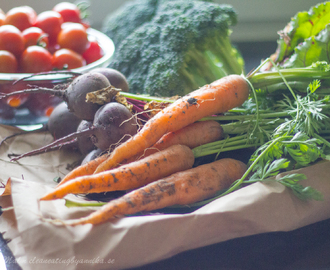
73	36
50	22
35	36
67	59
35	59
8	62
2	17
69	11
93	52
22	17
11	39
16	100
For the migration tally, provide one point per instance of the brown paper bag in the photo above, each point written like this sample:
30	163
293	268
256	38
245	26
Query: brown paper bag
138	240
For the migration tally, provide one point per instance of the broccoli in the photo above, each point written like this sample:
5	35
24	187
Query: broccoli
119	24
183	47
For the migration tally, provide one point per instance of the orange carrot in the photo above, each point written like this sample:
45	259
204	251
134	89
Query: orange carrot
133	175
224	94
192	136
181	188
86	169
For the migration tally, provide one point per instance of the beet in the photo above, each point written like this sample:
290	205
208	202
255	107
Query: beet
116	78
85	144
75	94
62	121
114	123
92	155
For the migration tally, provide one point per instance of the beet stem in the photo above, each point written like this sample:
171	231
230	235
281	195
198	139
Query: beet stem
44	128
44	90
40	150
55	72
60	142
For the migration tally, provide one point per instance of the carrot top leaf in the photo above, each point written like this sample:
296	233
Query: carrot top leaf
304	193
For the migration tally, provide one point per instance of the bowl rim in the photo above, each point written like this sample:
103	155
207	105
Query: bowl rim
106	44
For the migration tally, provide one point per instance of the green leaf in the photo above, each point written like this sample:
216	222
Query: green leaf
293	178
275	152
303	25
303	193
271	168
303	149
313	86
314	48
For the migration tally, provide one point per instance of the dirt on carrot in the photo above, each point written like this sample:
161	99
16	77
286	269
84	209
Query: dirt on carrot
193	135
215	98
133	175
181	188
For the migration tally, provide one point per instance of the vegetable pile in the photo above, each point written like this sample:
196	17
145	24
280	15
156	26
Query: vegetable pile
279	112
83	125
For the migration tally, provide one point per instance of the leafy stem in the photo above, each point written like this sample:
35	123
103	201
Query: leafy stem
238	183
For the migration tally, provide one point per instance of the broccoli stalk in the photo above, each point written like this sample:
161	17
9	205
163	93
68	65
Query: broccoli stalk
215	61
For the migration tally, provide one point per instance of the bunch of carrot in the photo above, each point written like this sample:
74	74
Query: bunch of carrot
157	163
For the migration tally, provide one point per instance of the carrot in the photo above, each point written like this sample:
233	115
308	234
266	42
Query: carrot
224	94
133	175
86	169
194	135
181	188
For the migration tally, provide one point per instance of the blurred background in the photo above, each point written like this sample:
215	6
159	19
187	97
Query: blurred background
258	20
255	34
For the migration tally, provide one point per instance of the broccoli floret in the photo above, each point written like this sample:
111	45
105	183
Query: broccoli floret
119	24
122	22
185	46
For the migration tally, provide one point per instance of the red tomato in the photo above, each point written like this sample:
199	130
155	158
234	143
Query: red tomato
35	36
73	36
16	100
35	59
93	52
69	11
11	39
67	59
50	22
22	17
2	17
8	62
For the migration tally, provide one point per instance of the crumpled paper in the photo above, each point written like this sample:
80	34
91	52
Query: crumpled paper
136	240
